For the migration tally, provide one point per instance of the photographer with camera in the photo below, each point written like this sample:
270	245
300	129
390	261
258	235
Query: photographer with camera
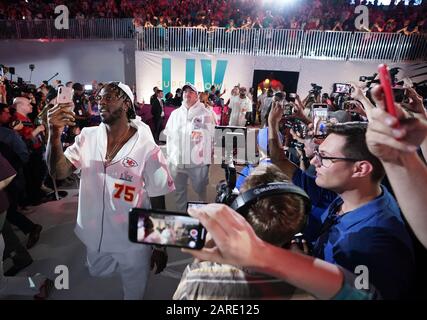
33	137
81	102
362	211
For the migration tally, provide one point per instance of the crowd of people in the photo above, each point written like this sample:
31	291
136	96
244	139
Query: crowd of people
308	15
359	172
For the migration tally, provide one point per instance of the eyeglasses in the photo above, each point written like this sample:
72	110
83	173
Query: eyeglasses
328	161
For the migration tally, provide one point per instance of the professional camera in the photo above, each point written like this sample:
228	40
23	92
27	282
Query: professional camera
341	99
316	89
297	126
370	80
297	145
225	188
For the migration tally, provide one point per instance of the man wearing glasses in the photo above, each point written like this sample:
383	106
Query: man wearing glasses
363	225
121	168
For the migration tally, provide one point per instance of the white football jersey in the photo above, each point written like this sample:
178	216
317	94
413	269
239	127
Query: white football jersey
107	193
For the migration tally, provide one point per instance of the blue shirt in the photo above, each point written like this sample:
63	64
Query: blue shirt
373	235
320	201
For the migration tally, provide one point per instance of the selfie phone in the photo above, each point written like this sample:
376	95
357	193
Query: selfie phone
165	228
342	88
65	95
320	118
385	82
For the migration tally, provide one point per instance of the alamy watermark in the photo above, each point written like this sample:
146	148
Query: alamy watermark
362	20
62	281
63	20
361	282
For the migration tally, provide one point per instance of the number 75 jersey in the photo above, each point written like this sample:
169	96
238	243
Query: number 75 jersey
108	192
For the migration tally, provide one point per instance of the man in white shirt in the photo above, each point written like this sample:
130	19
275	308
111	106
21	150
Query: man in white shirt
121	168
239	107
189	133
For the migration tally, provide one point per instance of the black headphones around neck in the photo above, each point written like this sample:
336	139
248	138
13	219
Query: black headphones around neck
244	201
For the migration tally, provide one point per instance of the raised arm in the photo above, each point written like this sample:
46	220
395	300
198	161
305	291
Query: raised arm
236	243
396	148
277	154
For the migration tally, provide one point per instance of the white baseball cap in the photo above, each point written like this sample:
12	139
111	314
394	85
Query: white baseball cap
190	86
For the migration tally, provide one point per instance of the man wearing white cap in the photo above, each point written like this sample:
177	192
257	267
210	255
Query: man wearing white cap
189	133
121	168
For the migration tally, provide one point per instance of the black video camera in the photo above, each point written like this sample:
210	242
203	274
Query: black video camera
316	89
297	126
224	188
297	145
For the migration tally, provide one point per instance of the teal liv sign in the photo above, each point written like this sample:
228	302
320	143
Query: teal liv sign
190	73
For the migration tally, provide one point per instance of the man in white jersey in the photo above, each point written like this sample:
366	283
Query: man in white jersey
239	107
189	133
121	168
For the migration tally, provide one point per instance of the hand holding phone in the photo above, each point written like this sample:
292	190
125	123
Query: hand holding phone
320	118
385	82
164	228
65	95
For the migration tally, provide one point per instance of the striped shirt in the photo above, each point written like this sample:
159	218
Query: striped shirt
213	281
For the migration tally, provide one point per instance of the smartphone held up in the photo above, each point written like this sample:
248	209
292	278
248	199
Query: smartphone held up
386	85
165	228
65	95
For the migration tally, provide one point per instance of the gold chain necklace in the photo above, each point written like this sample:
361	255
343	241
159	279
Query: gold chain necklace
110	156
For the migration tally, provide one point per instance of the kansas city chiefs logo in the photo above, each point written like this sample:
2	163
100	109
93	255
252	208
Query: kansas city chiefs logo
129	163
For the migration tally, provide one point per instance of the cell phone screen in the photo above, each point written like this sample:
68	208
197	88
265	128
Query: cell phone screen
166	229
342	88
320	119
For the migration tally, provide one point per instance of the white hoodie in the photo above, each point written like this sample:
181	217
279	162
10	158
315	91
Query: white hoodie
189	135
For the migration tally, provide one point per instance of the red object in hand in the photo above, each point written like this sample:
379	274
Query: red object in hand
385	82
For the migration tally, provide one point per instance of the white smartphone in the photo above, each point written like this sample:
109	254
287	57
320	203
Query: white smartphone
65	95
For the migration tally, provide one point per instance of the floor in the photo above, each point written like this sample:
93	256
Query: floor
58	245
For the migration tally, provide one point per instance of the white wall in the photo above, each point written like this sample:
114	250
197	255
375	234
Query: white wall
240	69
85	61
76	60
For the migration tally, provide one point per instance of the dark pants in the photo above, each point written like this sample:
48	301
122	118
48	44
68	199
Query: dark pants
35	171
14	216
18	219
158	123
13	247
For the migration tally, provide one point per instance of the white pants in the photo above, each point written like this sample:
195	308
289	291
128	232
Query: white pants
199	177
133	266
20	286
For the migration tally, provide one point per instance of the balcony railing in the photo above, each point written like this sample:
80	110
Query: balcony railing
328	45
90	29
